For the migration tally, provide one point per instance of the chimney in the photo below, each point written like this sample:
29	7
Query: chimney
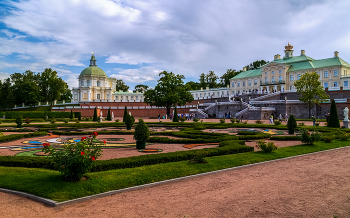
278	56
207	88
201	89
336	54
244	69
302	53
120	90
228	86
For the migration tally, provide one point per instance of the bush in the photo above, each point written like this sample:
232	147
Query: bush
71	114
19	122
182	119
125	114
327	139
78	115
291	124
74	160
95	118
199	157
245	122
301	124
199	126
277	122
342	135
117	120
175	118
309	138
222	120
53	121
317	124
109	118
27	120
196	119
77	121
268	148
333	120
259	122
247	133
129	122
232	120
65	120
13	137
237	120
141	133
284	138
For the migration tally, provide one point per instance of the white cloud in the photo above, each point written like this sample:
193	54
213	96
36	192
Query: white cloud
139	75
4	76
71	78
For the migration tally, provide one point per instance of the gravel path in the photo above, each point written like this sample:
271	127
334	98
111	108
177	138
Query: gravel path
314	185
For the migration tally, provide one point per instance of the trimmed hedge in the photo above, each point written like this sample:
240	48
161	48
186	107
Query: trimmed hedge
285	138
28	162
21	136
16	130
90	132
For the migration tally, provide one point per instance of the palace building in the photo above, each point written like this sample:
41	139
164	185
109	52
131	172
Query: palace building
281	73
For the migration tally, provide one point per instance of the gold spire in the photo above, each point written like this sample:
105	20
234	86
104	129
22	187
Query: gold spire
289	47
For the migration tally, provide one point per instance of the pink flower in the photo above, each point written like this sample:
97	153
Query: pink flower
82	153
93	158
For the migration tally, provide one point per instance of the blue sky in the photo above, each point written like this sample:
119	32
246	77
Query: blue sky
136	40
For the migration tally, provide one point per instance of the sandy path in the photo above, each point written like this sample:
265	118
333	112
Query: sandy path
310	186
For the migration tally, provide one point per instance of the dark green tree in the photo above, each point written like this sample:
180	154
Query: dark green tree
176	117
71	114
202	81
95	115
66	96
169	92
109	118
120	85
31	92
310	90
225	79
255	65
52	87
333	120
193	85
291	124
7	99
141	88
125	113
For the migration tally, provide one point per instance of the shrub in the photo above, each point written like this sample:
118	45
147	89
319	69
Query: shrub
65	120
291	124
117	120
277	122
109	118
175	118
53	121
284	138
125	114
259	122
245	122
74	160
182	119
268	148
237	120
199	157
342	135
128	122
222	120
77	121
71	114
19	122
301	124
247	133
199	126
78	115
196	119
27	120
232	120
95	118
141	133
317	124
309	138
333	120
327	139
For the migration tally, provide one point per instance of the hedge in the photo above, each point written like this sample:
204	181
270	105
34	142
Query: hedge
21	136
28	162
16	130
36	114
57	132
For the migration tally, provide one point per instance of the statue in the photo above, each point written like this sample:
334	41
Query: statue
112	116
346	111
101	113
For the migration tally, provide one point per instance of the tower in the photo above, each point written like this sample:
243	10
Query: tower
288	53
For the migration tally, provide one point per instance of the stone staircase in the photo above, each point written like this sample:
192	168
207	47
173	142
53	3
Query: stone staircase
199	113
266	96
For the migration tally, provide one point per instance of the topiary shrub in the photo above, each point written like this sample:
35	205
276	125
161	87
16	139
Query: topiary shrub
125	114
222	120
277	122
333	120
65	120
199	126
292	124
71	114
19	122
109	118
128	122
117	120
27	120
141	134
196	119
259	122
95	118
232	120
175	118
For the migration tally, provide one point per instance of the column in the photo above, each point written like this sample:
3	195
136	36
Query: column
103	95
276	87
281	88
81	95
89	93
261	88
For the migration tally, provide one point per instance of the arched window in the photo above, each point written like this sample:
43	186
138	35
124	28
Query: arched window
280	78
88	83
273	79
266	80
98	83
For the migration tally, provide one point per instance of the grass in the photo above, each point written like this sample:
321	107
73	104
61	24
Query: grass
49	184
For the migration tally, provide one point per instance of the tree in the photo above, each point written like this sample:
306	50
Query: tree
193	85
109	118
141	88
225	79
169	92
333	120
310	89
52	87
95	115
125	113
255	65
291	124
71	114
202	81
31	92
176	117
7	99
66	96
120	85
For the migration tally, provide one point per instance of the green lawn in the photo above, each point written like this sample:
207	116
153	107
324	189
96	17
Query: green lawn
49	184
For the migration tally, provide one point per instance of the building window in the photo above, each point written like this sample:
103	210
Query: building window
335	72
335	84
116	98
88	83
291	78
273	72
228	92
255	82
121	98
200	95
98	96
238	84
233	92
205	94
127	98
196	95
233	84
266	80
76	96
137	98
132	98
346	83
280	78
280	71
107	96
325	85
222	93
290	87
298	76
265	73
243	83
98	83
249	82
273	79
325	74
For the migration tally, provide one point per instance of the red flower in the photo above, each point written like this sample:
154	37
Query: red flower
83	138
308	133
46	144
82	153
95	133
104	141
256	145
93	158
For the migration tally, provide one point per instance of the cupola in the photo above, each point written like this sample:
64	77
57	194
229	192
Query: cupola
288	53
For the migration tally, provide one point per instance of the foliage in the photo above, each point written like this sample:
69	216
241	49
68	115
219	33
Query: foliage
7	98
327	139
310	89
95	115
121	86
199	126
129	121
232	120
309	138
78	115
342	135
284	138
255	65
199	157
141	133
259	122
291	124
125	114
27	120
333	120
317	124
301	124
109	117
176	117
237	121
36	114
222	120
196	119
141	88
225	79
75	159
247	133
193	85
19	122
53	120
182	119
71	114
277	122
267	148
169	92
208	80
21	136
117	120
65	120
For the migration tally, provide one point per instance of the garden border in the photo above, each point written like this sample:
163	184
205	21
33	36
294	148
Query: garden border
104	194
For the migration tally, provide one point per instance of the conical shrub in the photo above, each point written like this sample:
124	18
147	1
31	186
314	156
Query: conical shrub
333	120
109	118
95	115
176	118
125	113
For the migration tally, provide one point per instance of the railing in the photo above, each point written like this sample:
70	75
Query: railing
210	106
272	82
266	96
333	88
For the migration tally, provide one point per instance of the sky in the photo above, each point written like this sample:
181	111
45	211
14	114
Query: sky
136	40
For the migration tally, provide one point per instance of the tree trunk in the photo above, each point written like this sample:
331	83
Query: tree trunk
309	112
168	110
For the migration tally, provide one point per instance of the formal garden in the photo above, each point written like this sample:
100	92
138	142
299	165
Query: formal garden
68	160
